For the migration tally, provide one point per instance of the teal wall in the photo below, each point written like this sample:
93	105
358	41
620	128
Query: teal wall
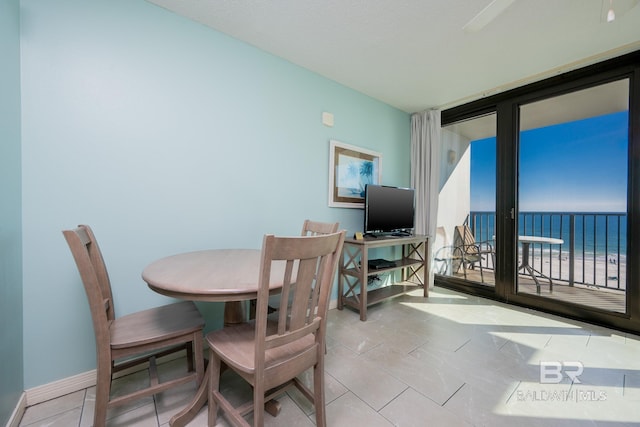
165	136
11	371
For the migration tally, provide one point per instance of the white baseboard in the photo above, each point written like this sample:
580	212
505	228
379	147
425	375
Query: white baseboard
72	384
18	412
79	382
61	387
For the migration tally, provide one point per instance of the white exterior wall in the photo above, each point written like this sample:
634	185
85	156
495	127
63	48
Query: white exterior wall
454	202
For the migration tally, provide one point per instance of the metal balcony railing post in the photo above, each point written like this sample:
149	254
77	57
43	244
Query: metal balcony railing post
579	224
572	247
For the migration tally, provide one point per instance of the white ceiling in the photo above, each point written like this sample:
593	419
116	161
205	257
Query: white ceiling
414	54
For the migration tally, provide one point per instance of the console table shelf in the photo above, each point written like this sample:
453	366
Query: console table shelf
354	271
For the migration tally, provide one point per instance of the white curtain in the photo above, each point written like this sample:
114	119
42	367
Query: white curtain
425	174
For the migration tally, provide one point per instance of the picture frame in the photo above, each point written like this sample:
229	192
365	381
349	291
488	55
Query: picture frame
350	169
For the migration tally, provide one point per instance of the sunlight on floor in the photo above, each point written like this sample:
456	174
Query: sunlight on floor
450	359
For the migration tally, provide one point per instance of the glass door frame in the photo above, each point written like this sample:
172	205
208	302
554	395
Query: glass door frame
507	105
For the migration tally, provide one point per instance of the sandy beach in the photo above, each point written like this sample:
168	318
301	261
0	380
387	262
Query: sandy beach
599	272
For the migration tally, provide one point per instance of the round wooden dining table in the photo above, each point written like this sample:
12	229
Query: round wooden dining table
223	275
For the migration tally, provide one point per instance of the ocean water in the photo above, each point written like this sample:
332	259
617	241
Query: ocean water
602	234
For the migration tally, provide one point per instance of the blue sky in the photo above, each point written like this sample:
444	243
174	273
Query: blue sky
579	166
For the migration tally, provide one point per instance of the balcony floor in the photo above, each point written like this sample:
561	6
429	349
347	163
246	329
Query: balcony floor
591	296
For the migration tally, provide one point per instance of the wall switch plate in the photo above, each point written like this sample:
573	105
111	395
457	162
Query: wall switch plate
327	119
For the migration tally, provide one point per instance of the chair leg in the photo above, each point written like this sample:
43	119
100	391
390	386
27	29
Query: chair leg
214	385
318	393
198	351
258	405
103	391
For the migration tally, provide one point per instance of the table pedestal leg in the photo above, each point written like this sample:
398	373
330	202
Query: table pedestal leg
183	417
273	407
233	313
532	271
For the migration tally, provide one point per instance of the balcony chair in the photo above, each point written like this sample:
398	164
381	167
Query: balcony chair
447	259
271	351
470	251
137	338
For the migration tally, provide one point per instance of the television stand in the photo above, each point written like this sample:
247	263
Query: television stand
354	270
388	234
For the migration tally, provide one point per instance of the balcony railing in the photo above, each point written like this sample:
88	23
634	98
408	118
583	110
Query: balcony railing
593	252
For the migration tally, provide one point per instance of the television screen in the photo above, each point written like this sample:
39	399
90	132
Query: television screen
388	209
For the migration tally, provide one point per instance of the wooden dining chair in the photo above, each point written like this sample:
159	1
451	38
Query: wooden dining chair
314	228
271	351
137	338
309	228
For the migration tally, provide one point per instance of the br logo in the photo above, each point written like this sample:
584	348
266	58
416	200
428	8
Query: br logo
552	372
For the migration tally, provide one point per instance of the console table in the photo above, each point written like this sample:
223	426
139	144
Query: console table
354	271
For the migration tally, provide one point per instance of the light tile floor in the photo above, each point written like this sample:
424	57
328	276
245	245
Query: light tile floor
449	360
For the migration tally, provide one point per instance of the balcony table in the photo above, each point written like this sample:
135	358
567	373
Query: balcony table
223	275
526	248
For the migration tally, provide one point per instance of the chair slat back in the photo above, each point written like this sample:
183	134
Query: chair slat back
311	262
93	272
314	228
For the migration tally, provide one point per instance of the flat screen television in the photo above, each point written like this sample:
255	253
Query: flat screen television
388	210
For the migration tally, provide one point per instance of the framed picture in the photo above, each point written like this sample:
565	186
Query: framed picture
350	169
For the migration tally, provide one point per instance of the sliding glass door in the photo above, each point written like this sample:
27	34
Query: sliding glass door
572	197
544	180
